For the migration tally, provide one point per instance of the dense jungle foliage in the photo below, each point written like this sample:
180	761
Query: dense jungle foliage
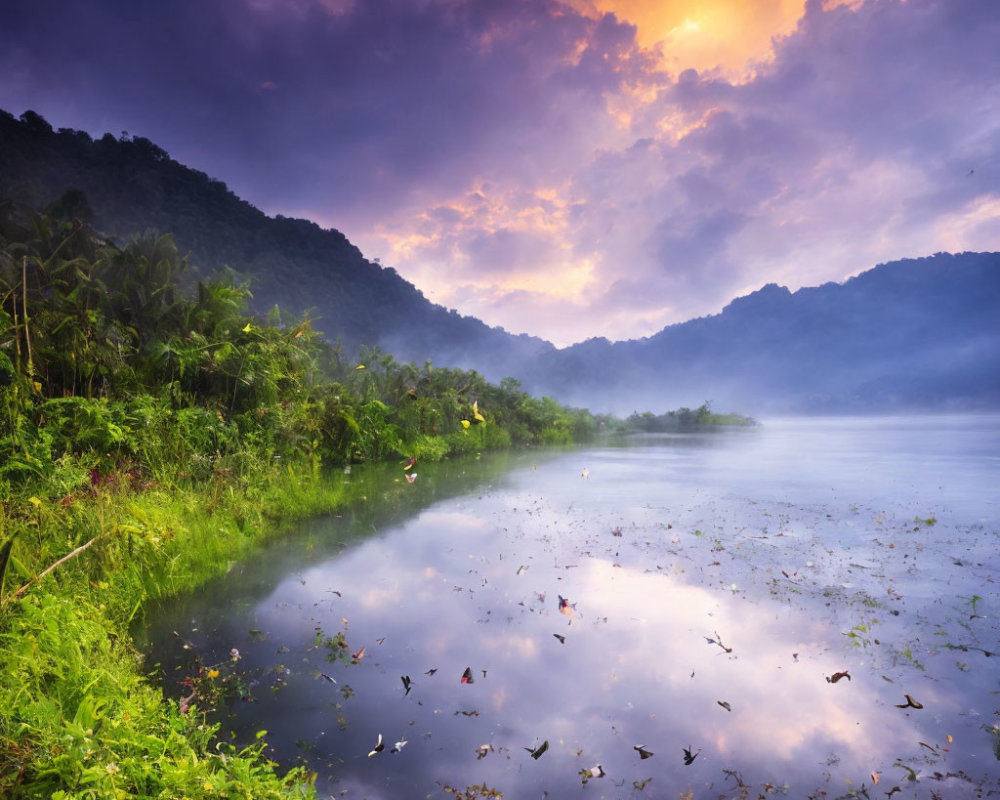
152	432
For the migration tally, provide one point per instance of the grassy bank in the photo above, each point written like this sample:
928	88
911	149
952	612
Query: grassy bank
80	719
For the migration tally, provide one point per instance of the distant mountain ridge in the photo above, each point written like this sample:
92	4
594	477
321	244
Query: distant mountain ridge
908	335
911	334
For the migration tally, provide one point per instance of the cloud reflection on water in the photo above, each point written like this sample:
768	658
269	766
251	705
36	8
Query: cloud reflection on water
473	581
636	666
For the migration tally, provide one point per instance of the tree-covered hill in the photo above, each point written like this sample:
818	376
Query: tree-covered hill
128	185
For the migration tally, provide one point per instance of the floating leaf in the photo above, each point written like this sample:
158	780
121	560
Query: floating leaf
410	462
467	676
594	772
910	703
560	638
378	748
724	704
642	751
689	757
406	683
566	607
837	676
536	753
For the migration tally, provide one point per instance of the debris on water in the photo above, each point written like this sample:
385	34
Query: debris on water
594	772
642	751
482	751
378	748
399	746
585	473
407	684
725	704
410	462
431	671
356	657
837	676
467	676
718	640
536	753
566	607
689	757
411	477
326	677
910	703
640	785
562	639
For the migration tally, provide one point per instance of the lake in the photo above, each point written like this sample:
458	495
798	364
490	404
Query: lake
809	607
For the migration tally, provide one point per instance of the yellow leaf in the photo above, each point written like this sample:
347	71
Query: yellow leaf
38	386
35	502
360	366
466	423
247	328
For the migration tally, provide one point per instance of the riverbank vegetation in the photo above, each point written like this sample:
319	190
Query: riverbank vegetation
153	432
683	419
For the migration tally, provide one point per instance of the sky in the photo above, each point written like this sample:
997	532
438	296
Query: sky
565	169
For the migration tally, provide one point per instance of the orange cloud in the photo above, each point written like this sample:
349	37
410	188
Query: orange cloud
729	35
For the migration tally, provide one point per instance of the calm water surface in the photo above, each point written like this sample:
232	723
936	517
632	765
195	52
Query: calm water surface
715	584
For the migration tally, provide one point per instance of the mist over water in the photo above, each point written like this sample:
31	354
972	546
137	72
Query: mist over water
685	592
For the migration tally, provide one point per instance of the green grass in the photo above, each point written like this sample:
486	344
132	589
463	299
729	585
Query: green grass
80	719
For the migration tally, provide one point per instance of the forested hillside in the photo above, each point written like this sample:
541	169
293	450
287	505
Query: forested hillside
128	185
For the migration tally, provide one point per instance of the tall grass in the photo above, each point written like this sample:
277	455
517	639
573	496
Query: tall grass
80	720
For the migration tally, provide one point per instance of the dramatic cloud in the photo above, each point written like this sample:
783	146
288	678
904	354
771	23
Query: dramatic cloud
597	167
